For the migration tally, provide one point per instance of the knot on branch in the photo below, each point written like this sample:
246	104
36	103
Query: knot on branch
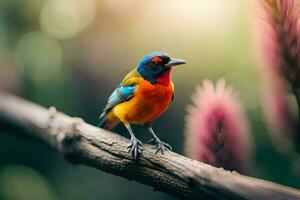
70	135
64	135
52	112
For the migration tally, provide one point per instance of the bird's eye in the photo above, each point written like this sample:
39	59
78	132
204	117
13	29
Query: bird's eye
157	60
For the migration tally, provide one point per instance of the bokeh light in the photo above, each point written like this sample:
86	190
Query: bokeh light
38	56
64	19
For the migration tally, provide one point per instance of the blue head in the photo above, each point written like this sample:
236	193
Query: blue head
153	65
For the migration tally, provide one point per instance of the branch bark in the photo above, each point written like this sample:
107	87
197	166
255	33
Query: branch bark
172	173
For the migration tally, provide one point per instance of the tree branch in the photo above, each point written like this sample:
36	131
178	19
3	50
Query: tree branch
174	174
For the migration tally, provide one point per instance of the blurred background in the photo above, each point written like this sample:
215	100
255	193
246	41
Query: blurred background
72	53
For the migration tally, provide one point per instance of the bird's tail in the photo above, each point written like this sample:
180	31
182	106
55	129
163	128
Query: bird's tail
107	121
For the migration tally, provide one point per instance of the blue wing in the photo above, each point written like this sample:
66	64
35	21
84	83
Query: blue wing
120	94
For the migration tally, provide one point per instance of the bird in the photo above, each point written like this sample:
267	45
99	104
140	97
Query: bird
144	94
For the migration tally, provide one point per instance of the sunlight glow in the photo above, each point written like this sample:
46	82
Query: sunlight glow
64	19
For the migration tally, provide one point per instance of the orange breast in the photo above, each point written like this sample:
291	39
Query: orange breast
149	102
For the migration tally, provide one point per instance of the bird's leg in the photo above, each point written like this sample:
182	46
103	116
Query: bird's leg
160	145
134	146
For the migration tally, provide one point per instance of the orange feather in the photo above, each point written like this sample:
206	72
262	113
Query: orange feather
148	102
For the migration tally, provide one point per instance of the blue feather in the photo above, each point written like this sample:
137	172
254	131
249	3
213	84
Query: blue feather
120	94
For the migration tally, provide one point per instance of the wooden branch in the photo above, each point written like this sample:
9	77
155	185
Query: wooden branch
174	174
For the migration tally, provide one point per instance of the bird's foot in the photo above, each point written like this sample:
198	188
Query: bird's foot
134	148
160	146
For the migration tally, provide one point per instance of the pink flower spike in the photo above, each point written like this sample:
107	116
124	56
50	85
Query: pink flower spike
217	132
280	118
277	32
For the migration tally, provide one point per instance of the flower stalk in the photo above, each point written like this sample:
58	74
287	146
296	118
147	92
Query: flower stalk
217	131
281	55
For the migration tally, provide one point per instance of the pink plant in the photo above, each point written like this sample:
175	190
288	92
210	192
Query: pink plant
217	131
278	34
280	118
279	37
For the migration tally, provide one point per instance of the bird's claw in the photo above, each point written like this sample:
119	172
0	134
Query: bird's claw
161	146
134	148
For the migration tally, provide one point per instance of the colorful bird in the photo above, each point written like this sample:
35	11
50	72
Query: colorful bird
144	94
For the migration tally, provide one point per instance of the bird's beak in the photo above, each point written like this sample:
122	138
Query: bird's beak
175	61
